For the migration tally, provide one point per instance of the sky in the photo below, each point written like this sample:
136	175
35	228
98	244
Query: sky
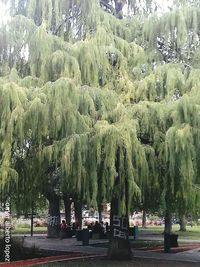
3	12
4	9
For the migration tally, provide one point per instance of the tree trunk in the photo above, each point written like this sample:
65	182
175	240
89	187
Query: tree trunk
32	211
67	204
53	228
100	212
182	223
119	4
167	232
78	213
119	246
144	219
168	223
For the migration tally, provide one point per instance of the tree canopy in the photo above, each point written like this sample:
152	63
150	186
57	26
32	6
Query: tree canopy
80	87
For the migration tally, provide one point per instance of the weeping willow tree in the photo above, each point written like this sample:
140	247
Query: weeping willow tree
187	131
12	108
101	108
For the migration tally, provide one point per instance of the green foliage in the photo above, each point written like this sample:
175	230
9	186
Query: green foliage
90	103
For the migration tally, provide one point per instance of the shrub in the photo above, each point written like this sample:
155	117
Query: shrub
198	222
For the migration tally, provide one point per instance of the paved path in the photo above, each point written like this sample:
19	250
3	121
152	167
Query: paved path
64	245
161	238
71	245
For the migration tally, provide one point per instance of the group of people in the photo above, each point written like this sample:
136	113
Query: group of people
101	228
64	229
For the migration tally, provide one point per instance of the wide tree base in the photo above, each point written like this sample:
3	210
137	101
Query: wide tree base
120	249
53	232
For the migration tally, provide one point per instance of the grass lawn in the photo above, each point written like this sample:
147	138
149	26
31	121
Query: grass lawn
135	243
107	263
192	233
36	230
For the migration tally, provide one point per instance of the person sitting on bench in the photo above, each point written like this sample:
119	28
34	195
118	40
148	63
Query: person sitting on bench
63	229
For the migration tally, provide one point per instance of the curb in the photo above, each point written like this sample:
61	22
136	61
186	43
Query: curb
51	259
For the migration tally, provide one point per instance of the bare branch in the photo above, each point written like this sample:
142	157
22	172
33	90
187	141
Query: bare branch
108	6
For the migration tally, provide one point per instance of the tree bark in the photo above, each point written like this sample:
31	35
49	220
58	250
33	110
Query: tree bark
168	223
182	223
144	219
119	4
119	246
100	212
167	232
117	10
53	228
67	203
78	213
